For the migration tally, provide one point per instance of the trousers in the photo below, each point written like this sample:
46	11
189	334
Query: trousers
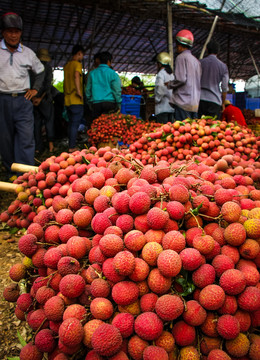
16	135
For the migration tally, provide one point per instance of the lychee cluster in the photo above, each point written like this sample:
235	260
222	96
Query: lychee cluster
134	261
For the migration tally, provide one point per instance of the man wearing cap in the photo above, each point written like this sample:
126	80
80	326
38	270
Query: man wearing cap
164	112
16	109
214	83
43	105
186	85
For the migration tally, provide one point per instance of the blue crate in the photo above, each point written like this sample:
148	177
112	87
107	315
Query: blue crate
253	103
131	104
231	98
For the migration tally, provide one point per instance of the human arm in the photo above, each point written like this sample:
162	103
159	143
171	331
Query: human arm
89	89
77	76
180	74
224	86
39	73
30	93
116	89
159	90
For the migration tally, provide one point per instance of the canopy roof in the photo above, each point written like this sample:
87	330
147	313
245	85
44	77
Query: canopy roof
135	31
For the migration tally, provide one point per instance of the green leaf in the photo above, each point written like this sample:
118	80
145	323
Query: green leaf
186	283
85	160
196	161
13	230
13	358
22	341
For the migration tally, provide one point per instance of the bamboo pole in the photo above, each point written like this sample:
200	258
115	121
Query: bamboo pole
23	168
209	37
252	57
170	41
8	187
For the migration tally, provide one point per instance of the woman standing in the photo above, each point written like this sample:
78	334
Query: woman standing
163	111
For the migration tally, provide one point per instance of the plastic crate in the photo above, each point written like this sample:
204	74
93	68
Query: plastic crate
131	104
252	103
231	98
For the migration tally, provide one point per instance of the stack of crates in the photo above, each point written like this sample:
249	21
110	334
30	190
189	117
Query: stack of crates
131	105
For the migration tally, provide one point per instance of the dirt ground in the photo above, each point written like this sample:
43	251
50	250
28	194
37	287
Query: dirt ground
9	324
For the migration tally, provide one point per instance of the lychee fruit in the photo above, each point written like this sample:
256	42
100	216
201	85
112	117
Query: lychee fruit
140	203
157	218
169	307
101	308
125	324
72	285
106	340
148	326
212	297
183	333
125	292
194	313
71	332
155	353
228	327
238	346
191	259
232	281
169	263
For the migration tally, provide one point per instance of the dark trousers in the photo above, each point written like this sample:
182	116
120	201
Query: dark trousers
103	108
181	114
16	135
75	115
43	115
209	108
165	117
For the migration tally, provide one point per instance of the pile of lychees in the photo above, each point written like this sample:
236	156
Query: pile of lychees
183	140
120	128
131	261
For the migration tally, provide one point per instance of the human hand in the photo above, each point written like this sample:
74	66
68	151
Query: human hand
30	94
36	101
80	95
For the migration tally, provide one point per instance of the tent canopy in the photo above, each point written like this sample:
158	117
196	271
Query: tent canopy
135	31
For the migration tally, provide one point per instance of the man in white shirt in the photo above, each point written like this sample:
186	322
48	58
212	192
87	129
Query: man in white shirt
16	92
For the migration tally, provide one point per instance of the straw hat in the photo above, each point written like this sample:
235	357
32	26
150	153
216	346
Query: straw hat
227	102
43	55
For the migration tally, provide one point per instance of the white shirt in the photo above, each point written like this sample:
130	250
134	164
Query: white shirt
14	68
162	93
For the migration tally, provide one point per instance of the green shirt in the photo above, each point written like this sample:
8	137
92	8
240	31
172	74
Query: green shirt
103	85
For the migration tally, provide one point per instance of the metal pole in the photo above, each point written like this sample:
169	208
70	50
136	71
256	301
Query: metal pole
170	42
209	36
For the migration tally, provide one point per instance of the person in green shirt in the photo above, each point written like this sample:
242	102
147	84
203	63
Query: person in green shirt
73	94
103	91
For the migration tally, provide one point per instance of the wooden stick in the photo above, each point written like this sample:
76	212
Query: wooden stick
8	187
23	168
209	36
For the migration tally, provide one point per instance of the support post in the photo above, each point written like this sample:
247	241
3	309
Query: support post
209	36
170	41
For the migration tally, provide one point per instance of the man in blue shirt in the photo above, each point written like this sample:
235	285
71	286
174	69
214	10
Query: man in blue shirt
103	92
214	83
